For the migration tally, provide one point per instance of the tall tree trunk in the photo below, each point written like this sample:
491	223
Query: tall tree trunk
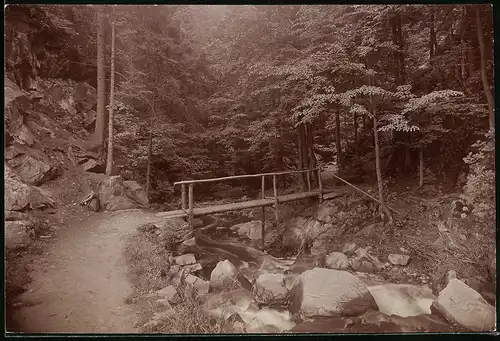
312	157
432	38
379	172
402	71
150	152
338	145
109	163
356	134
421	168
301	156
484	76
305	152
101	83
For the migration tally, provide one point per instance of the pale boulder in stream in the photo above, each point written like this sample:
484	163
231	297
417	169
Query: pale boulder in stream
337	261
325	292
270	289
223	275
463	305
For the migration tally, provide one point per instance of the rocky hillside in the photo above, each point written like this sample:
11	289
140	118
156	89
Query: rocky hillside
49	114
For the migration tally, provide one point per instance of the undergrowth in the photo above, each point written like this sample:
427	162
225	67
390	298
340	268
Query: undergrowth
149	262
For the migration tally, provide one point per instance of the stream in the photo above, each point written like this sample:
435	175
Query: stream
215	241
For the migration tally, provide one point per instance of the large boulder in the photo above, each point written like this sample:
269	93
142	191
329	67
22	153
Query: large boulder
325	292
461	304
17	103
337	261
135	191
32	168
22	197
18	234
114	196
270	289
223	275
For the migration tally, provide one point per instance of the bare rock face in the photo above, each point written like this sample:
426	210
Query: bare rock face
114	195
337	261
461	304
33	171
325	292
224	274
21	197
270	289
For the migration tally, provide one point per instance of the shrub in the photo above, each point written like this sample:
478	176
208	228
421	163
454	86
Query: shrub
479	189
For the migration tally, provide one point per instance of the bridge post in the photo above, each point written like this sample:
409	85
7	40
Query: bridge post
276	213
308	174
263	209
191	206
320	185
183	196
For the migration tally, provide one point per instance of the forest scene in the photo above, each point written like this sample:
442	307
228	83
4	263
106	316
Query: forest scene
234	169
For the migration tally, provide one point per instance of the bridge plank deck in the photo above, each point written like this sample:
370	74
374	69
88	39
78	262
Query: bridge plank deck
199	211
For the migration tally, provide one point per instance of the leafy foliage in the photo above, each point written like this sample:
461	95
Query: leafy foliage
480	186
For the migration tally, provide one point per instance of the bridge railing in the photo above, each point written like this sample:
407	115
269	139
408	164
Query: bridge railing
188	202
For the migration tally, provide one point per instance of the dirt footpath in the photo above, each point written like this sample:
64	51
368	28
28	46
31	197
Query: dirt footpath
80	284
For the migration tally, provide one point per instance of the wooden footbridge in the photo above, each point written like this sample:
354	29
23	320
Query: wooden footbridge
188	210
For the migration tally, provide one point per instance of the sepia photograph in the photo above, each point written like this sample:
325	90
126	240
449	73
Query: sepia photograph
249	169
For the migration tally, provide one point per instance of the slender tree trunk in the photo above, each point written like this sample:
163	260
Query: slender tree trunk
150	148
101	83
484	76
432	40
312	157
402	71
305	152
421	169
356	134
301	156
407	158
109	163
338	145
379	172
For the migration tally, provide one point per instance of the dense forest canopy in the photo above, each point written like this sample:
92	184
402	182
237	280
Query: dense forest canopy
205	91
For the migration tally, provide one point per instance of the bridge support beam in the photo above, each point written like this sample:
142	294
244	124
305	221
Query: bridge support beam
320	185
191	206
183	197
276	208
263	211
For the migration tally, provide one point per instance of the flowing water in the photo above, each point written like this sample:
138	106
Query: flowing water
215	241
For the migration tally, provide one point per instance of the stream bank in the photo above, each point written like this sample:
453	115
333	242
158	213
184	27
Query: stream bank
269	293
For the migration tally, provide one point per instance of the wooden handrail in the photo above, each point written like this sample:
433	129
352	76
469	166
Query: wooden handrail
243	176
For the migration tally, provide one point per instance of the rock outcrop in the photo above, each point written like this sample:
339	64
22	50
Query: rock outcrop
115	195
23	197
